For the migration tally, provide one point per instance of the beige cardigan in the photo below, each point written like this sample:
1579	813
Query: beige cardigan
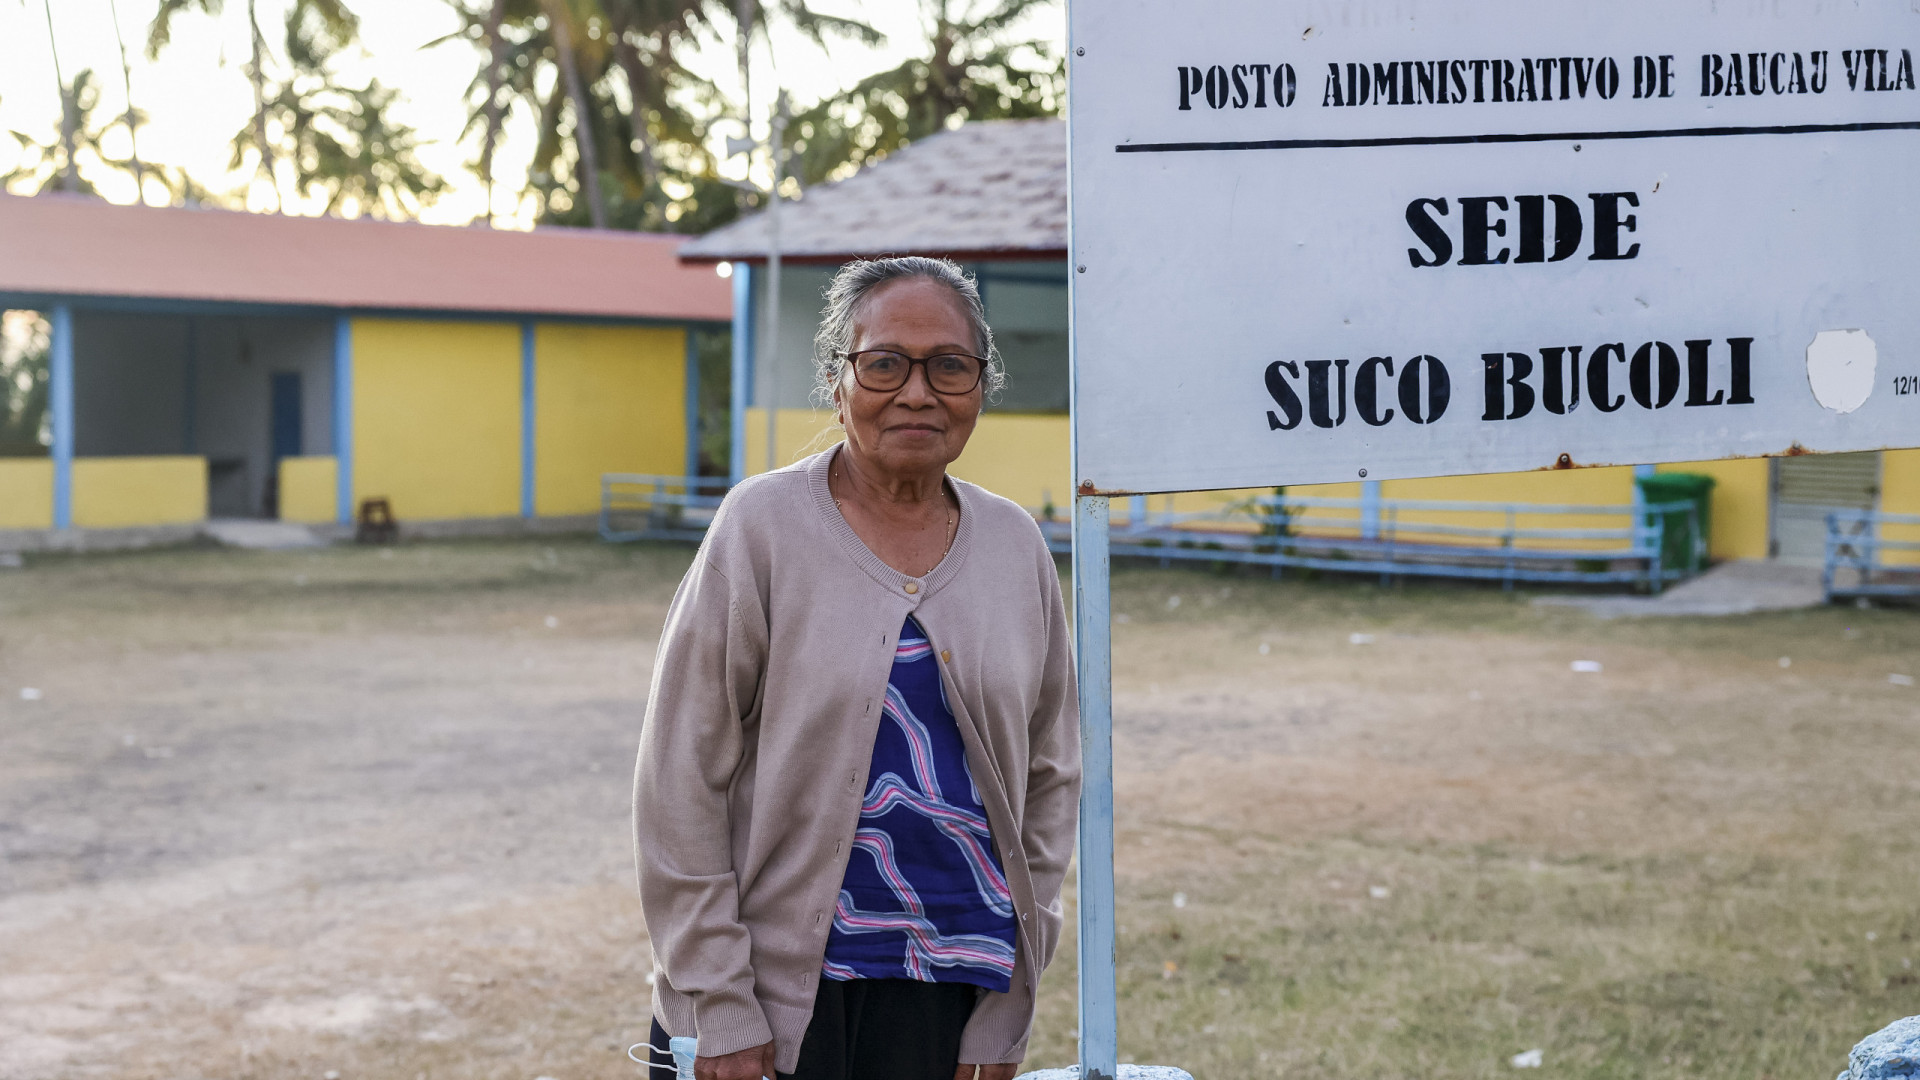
760	728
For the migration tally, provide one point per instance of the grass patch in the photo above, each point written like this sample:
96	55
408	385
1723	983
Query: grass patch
1703	967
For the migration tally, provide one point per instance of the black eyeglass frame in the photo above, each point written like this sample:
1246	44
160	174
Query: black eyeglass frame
979	376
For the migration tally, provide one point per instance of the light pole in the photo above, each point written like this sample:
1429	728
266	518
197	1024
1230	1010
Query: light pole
772	398
769	364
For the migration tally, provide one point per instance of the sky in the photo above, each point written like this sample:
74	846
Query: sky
196	95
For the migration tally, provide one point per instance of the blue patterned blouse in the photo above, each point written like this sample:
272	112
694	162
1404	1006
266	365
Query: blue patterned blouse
924	896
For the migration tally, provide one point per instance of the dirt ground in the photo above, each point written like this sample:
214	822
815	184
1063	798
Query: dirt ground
364	812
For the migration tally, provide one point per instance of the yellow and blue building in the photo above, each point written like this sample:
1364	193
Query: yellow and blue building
993	196
214	364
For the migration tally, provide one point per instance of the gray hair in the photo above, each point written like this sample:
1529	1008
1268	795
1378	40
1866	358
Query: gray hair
858	279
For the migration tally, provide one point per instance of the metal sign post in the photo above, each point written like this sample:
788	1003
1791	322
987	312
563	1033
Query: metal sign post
1336	240
1092	623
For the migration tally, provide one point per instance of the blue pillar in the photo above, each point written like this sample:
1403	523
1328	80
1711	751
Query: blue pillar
343	418
60	401
1369	509
1638	472
693	403
741	387
528	378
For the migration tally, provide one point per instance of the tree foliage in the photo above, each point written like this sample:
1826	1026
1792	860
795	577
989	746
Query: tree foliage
342	143
635	106
974	69
42	166
24	386
160	31
646	112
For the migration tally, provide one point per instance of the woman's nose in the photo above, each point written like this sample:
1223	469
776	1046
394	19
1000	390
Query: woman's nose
917	391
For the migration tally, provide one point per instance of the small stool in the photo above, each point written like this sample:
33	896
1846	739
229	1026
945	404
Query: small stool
376	524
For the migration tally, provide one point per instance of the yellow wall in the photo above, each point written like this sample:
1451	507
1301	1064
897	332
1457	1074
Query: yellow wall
436	417
26	493
1023	457
121	492
801	432
308	489
1900	494
606	399
1583	487
1739	508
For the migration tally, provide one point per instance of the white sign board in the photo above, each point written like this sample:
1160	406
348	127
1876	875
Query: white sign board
1321	241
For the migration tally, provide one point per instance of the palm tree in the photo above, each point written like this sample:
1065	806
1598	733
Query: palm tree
70	175
496	53
55	164
560	20
632	121
341	142
44	166
133	124
613	142
752	17
333	13
160	35
973	71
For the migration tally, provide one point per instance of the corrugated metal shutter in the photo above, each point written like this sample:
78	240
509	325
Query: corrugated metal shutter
1806	488
1844	480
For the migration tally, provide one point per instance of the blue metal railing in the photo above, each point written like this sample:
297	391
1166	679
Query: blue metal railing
637	506
1857	547
1386	537
1412	537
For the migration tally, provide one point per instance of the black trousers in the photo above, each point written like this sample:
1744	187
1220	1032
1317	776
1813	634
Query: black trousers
875	1029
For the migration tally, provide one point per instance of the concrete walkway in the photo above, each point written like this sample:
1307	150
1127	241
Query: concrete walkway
254	533
1732	588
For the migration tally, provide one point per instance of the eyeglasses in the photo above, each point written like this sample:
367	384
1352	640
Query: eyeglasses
884	371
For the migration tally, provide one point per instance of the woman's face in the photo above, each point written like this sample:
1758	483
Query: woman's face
912	429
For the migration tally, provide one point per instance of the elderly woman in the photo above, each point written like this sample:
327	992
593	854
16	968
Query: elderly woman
857	780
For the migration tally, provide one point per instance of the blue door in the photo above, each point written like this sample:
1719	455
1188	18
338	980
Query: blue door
286	415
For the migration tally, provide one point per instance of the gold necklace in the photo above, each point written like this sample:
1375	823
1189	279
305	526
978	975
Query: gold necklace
952	533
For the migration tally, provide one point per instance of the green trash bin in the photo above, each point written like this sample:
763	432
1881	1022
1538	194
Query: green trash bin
1681	547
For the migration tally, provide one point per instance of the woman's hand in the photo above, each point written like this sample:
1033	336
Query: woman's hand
987	1072
752	1063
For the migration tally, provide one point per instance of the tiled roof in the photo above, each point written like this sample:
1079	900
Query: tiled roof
995	187
54	246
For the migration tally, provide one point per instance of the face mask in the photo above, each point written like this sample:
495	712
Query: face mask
683	1048
1126	1073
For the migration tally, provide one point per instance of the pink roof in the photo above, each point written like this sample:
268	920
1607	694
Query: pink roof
63	245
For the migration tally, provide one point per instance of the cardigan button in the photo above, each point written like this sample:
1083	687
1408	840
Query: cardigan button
911	587
946	657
